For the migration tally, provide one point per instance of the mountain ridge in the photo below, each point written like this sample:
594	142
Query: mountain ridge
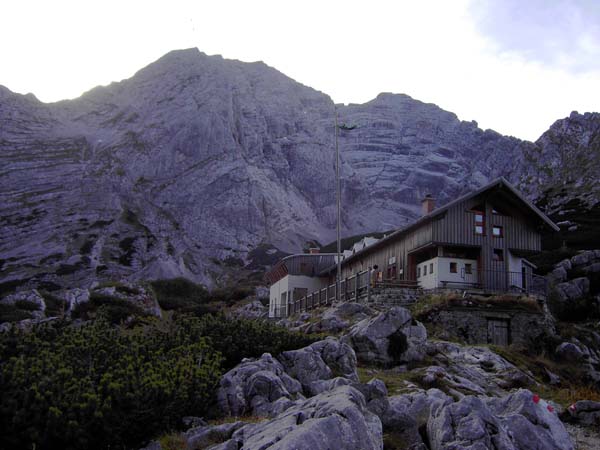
198	164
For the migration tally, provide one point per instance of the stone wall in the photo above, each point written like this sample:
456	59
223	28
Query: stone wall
471	324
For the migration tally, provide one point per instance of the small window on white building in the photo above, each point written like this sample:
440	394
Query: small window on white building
453	267
418	272
425	270
430	268
468	269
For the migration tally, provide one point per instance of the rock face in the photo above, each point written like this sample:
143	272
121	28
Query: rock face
585	412
320	361
390	337
532	424
563	163
334	419
515	422
196	164
260	387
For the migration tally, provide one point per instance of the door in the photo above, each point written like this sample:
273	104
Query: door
498	332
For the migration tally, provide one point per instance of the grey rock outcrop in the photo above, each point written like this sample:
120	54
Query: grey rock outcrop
562	165
260	387
530	424
466	425
252	310
574	289
340	317
371	338
207	435
334	419
320	361
514	422
472	370
585	412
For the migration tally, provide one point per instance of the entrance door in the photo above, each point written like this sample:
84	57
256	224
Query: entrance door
498	331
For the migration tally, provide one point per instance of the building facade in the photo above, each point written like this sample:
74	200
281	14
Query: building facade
479	241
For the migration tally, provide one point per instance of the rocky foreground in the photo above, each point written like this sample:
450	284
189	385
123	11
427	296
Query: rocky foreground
384	384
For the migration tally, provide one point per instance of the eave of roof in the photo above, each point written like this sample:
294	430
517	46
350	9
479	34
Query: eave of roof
282	262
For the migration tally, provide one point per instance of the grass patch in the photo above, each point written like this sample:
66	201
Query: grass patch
574	385
172	441
436	302
395	381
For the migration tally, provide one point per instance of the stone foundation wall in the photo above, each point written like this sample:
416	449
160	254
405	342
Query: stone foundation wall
471	324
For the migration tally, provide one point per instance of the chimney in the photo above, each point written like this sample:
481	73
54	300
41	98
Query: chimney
427	204
314	250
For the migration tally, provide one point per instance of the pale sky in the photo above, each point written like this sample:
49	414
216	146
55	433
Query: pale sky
514	66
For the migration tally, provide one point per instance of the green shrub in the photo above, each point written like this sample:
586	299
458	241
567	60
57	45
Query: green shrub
27	305
240	338
231	295
97	386
55	306
10	313
181	295
116	310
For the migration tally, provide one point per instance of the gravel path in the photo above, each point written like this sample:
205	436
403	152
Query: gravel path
584	438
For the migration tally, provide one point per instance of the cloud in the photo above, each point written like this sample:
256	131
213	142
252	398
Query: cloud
563	34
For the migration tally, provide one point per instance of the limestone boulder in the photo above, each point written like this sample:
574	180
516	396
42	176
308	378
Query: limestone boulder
585	412
336	419
391	337
530	421
252	310
207	435
466	425
518	421
574	289
559	274
569	351
319	362
472	370
259	387
583	258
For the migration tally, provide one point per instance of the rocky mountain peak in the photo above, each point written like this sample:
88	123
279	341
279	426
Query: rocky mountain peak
199	164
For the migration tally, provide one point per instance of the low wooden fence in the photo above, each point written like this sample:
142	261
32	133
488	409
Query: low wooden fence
358	288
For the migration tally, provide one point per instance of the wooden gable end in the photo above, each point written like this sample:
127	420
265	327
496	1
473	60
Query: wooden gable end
519	228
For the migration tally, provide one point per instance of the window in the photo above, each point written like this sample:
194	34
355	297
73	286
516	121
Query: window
453	267
468	269
497	231
418	272
425	270
479	223
498	255
431	268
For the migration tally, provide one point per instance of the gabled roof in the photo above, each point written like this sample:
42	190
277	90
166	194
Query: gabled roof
498	182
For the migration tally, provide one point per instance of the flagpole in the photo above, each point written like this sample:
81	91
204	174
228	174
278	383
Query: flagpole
339	214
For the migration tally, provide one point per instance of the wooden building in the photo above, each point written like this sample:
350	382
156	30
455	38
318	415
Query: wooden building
480	240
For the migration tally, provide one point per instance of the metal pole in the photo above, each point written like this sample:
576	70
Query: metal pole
339	215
